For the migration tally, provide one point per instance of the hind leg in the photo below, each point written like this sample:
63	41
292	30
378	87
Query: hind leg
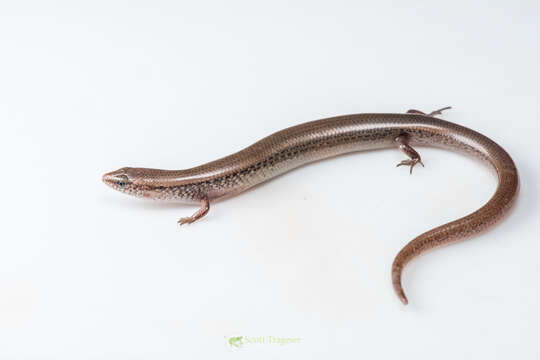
433	113
413	157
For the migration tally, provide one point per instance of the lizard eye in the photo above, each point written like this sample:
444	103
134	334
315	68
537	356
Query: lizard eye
123	181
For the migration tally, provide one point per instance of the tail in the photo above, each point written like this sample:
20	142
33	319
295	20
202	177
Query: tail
475	223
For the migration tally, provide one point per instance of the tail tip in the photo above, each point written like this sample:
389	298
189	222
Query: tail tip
403	298
396	282
400	293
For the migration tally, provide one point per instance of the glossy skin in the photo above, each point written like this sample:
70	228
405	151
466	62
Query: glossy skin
316	140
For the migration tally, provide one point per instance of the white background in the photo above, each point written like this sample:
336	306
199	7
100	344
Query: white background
89	87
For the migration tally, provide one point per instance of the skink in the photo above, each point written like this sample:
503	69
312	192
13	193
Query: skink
320	139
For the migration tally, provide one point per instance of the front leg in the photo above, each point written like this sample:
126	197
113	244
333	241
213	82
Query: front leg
414	158
205	206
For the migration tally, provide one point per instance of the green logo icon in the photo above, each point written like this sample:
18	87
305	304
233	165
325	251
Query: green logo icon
235	341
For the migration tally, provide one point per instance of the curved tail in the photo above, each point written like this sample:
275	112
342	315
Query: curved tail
472	224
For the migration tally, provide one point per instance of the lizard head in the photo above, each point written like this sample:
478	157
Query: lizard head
154	184
129	181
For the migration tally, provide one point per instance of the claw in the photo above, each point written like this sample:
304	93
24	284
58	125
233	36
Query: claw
185	220
439	112
411	163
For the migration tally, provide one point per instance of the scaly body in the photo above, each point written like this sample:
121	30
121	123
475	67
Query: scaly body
316	140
